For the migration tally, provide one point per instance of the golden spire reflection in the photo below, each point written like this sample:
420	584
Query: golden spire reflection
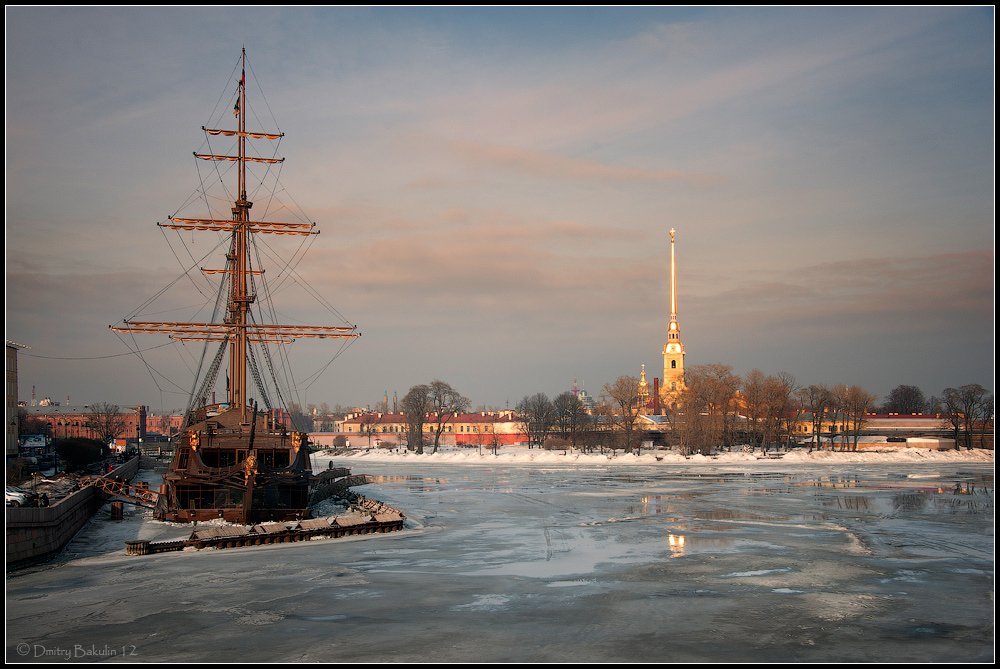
676	543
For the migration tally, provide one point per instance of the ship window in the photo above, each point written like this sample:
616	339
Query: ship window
274	459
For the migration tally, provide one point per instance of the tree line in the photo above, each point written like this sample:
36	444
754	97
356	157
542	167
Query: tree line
719	410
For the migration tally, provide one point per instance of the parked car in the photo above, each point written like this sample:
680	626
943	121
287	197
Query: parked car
15	496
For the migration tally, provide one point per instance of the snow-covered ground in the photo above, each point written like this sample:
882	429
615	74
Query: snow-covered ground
522	455
726	560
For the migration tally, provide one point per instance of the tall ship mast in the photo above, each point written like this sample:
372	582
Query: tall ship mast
234	460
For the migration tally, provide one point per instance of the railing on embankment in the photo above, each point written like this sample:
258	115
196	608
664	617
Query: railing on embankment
36	533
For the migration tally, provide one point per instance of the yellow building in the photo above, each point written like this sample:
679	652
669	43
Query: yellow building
465	429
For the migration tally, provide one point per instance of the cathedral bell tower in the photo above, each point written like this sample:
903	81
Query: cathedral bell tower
673	350
642	394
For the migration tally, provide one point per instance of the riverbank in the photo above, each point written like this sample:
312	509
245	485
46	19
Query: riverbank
518	455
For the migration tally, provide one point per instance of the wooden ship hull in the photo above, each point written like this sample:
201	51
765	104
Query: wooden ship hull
241	472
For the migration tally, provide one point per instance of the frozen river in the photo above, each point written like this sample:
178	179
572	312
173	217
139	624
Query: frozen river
529	563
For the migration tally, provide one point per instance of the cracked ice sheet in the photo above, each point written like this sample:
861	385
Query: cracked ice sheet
867	562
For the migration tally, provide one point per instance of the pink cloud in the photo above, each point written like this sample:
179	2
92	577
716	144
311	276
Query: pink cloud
547	164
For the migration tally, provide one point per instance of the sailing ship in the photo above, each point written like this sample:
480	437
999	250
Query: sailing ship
235	460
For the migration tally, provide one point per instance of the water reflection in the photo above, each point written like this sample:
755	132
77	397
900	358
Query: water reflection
909	501
849	481
676	543
851	503
732	514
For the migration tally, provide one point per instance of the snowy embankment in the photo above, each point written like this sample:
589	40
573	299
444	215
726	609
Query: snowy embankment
525	456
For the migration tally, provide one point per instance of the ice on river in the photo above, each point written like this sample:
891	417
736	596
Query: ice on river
721	561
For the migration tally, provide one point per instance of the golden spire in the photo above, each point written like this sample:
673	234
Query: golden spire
673	278
673	349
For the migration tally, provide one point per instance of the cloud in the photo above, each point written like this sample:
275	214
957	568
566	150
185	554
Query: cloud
467	272
550	165
884	295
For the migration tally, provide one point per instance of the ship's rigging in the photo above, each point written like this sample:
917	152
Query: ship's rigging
245	326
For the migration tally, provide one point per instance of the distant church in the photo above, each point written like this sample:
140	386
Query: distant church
666	397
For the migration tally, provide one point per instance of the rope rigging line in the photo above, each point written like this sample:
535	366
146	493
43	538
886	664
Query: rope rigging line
219	304
256	377
153	372
269	357
222	170
292	198
315	376
264	306
201	395
229	83
167	287
96	357
253	75
305	285
288	273
187	359
274	379
177	258
267	170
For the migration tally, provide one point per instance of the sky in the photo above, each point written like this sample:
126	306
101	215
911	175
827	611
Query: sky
494	189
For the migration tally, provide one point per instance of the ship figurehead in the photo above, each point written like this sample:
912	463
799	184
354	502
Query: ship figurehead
249	468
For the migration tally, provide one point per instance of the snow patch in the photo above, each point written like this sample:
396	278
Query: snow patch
516	455
490	602
760	572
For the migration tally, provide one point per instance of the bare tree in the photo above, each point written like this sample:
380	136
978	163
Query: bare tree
415	405
787	408
623	396
692	427
495	438
481	435
537	416
108	421
836	415
778	405
713	395
755	397
368	424
905	400
27	424
446	403
965	407
815	399
952	413
300	421
571	416
857	404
